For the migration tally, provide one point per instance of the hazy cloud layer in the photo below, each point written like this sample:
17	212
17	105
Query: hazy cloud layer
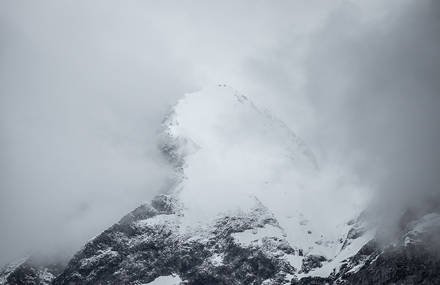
85	85
83	91
376	89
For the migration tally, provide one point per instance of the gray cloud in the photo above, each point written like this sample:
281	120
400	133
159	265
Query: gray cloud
84	87
83	91
376	87
362	89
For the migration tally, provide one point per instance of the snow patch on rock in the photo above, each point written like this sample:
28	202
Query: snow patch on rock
166	280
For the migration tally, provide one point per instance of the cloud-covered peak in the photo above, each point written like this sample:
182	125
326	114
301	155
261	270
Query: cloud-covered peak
222	120
228	151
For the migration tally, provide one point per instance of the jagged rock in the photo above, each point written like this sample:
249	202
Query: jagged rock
30	271
312	261
241	248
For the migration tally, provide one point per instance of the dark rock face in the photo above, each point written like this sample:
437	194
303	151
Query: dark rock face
312	261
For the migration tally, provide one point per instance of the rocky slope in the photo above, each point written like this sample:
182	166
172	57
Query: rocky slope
247	248
239	248
150	245
151	242
30	271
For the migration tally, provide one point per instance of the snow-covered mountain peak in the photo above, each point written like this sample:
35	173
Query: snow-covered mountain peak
230	150
243	210
229	153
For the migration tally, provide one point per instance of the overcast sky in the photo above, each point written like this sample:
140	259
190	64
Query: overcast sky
84	86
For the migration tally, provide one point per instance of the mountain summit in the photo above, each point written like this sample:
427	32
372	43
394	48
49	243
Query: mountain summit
250	205
229	151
